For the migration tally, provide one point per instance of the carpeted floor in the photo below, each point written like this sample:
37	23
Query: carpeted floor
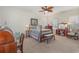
60	45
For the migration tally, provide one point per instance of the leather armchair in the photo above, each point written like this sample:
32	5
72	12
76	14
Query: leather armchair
7	42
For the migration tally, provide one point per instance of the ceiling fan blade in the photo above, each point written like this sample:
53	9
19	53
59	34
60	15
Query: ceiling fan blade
50	10
44	8
50	7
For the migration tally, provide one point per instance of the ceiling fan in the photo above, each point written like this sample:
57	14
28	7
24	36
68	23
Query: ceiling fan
47	8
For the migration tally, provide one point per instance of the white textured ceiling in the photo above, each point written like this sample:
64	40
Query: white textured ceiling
56	9
36	9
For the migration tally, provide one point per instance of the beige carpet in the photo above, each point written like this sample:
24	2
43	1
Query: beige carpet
60	45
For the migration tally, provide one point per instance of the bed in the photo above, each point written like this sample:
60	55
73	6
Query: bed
37	32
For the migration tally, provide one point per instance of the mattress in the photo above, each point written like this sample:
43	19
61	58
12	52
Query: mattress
45	30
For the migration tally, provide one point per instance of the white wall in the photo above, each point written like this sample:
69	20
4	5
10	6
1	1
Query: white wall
2	20
70	16
65	15
62	16
46	18
17	18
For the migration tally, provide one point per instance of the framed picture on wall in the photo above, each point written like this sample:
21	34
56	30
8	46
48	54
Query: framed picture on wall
34	22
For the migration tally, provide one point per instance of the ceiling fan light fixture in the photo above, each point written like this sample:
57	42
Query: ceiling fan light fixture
46	11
